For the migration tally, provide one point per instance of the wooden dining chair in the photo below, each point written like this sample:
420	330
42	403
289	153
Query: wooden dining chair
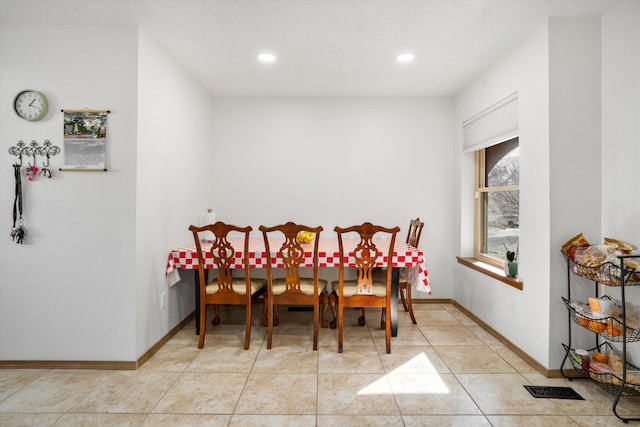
292	289
365	291
404	287
413	239
225	289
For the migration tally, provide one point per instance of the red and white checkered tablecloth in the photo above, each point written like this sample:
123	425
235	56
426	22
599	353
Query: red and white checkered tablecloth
410	260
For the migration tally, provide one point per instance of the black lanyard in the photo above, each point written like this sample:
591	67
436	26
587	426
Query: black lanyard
17	234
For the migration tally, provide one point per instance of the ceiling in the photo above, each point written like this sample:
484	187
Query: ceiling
323	47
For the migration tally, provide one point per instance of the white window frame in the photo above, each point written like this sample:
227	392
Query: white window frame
480	188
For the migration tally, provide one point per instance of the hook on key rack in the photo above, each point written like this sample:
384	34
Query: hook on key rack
47	151
18	150
31	151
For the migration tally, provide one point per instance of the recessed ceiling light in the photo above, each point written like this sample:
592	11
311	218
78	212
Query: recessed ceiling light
405	57
267	57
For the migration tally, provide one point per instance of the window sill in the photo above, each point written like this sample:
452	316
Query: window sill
490	271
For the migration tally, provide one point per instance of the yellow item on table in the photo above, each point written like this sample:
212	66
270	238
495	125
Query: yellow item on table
305	237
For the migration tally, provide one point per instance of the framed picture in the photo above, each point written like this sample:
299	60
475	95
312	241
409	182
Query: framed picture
85	140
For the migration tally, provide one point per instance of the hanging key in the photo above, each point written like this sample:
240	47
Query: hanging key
20	233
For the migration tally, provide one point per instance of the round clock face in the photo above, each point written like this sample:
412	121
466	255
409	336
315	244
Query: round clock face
31	105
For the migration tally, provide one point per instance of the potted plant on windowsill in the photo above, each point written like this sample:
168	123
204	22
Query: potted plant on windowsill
511	265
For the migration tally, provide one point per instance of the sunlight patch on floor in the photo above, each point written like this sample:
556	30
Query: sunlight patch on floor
406	383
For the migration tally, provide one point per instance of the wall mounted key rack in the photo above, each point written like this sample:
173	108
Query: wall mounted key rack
33	150
46	150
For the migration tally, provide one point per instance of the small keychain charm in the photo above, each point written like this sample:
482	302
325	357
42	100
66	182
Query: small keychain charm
32	171
45	172
20	232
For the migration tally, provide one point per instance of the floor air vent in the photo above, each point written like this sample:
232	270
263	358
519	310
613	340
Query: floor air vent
548	392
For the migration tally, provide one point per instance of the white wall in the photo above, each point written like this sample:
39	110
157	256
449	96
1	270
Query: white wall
339	161
621	122
621	132
97	243
174	148
574	165
509	311
68	293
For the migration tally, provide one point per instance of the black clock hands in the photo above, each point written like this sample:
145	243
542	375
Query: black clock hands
34	106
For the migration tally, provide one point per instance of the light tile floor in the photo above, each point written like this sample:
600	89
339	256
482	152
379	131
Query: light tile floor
445	371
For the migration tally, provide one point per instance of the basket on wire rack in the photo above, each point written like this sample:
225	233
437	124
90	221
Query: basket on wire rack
609	327
607	273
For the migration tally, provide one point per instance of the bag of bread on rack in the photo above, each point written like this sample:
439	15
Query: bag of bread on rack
616	364
617	248
615	361
623	247
632	312
633	377
593	256
570	246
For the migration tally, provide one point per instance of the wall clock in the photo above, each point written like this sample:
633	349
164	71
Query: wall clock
31	105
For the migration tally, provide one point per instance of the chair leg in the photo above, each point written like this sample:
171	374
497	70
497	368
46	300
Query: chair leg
247	326
203	325
410	304
316	314
387	334
383	318
362	320
269	322
276	315
328	301
216	317
324	299
401	288
340	325
333	301
264	321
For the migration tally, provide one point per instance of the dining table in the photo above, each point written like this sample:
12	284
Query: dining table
407	261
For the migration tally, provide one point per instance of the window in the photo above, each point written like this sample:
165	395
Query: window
497	201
